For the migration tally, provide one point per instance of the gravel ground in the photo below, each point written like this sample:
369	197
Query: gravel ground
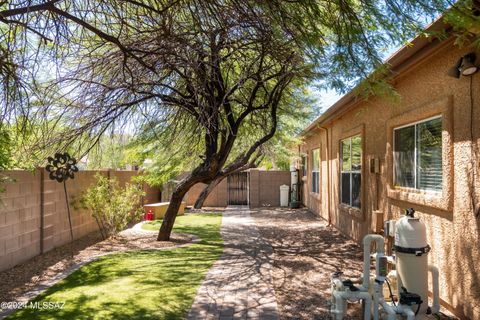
306	253
25	277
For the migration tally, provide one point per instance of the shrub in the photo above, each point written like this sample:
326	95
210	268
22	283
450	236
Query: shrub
5	157
112	207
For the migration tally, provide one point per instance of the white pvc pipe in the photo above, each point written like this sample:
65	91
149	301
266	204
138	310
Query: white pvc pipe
409	313
378	299
435	288
367	240
340	297
338	284
391	310
376	296
338	304
339	309
368	301
391	314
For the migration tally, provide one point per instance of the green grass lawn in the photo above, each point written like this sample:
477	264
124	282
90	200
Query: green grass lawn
137	285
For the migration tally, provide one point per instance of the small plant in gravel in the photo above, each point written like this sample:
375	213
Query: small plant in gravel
112	206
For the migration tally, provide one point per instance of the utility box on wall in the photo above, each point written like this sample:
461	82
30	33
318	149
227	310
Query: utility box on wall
389	228
374	165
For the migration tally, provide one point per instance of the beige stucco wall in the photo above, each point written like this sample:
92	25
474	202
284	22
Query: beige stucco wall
453	229
29	194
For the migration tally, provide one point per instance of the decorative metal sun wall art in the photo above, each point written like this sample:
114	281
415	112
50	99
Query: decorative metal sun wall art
62	167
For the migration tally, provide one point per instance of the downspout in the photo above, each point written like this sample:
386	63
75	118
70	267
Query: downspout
328	175
300	179
435	289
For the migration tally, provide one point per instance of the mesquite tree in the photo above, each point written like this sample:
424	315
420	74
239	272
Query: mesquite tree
207	67
220	176
202	69
301	111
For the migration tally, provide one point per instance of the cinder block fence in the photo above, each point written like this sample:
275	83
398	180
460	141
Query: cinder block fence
263	190
33	216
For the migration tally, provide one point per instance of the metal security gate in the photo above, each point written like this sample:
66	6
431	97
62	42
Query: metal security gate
237	186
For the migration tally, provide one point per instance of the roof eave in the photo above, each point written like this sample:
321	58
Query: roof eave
406	53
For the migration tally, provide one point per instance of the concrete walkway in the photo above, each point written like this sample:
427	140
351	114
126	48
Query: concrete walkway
239	285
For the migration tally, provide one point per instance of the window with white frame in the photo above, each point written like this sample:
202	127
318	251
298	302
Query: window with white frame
316	171
417	155
351	171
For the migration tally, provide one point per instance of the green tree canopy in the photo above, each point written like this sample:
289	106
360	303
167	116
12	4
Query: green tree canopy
202	69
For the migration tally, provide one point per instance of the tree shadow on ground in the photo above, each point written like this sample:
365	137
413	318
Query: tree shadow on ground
18	279
146	284
306	252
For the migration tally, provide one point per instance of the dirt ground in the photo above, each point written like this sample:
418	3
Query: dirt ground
306	253
25	277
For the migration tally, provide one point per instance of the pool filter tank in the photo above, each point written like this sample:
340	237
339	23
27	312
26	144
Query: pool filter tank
411	251
410	275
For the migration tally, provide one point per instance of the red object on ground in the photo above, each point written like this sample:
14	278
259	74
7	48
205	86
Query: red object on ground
149	215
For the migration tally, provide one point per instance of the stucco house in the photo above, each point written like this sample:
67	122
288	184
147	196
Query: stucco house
364	161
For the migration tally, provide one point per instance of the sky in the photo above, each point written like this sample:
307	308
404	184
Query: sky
327	97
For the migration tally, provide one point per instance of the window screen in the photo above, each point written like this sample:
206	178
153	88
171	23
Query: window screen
418	155
304	165
316	171
351	171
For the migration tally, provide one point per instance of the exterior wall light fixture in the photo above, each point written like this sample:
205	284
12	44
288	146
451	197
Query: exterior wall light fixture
465	66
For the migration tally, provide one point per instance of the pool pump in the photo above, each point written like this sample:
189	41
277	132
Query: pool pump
408	269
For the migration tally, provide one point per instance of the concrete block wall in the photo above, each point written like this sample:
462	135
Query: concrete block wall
20	219
152	194
122	176
55	210
254	188
32	194
217	198
264	190
265	187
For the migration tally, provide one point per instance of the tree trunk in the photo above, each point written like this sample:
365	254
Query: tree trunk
206	191
209	188
172	210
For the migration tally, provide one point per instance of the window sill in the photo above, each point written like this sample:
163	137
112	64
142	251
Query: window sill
433	199
418	191
436	200
352	211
